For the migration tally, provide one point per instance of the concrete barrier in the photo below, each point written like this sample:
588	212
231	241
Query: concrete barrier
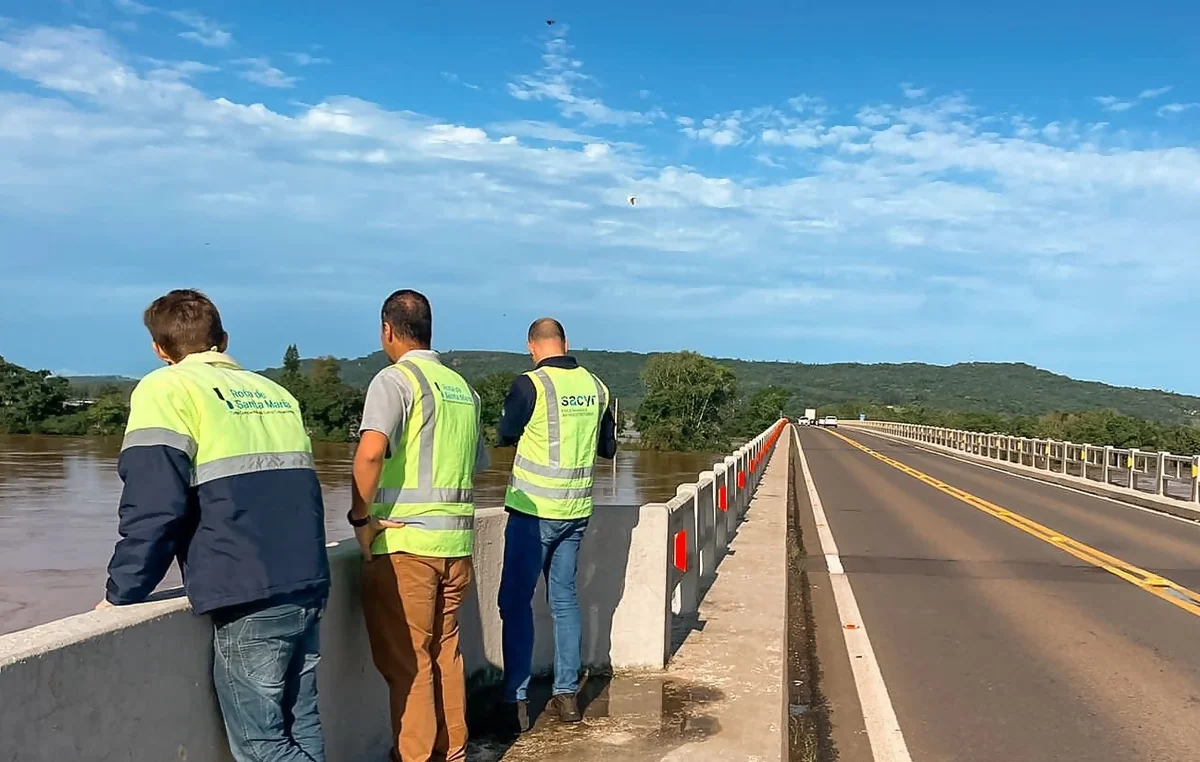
134	683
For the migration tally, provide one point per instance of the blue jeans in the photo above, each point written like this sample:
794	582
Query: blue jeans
549	547
265	675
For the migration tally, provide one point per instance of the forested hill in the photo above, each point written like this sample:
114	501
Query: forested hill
1013	389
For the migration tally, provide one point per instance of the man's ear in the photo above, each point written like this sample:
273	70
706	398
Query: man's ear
158	351
224	343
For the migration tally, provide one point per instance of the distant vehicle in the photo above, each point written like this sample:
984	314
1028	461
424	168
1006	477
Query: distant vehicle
810	414
830	421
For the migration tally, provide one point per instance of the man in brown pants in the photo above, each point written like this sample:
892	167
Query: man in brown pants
413	512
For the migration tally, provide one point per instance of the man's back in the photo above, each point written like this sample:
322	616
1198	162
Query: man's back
223	463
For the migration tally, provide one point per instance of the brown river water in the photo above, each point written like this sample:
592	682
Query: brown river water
58	512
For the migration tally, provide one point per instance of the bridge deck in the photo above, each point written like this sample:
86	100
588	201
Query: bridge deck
994	642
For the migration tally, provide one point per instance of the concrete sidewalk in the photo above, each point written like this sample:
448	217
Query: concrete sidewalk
723	697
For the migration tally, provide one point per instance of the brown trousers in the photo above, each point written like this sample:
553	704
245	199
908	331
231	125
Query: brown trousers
411	605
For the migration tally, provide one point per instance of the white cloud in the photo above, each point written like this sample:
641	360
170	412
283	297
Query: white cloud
1154	92
452	77
204	31
560	80
134	7
913	92
1113	103
1171	109
720	131
307	59
542	131
261	72
862	210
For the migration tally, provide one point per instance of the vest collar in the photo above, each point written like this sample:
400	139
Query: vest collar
565	362
211	357
428	355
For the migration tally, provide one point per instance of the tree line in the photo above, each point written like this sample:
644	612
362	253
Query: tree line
687	402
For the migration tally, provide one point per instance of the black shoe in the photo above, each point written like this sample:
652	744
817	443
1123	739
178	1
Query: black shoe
567	707
516	717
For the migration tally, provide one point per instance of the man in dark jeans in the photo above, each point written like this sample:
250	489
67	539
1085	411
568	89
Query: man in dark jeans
218	474
558	416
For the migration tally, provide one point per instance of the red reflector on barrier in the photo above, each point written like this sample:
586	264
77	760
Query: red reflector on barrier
722	498
681	560
741	480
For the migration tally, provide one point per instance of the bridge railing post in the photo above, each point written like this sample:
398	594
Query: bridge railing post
706	519
1160	475
1108	455
1066	458
731	499
684	566
1132	464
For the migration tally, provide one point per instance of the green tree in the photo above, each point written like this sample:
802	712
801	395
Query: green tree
492	390
27	398
758	411
685	403
332	410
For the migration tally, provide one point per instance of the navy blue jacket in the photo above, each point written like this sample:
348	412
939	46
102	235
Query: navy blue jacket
244	539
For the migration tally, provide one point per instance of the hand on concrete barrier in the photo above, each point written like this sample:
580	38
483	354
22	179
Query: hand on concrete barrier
367	534
103	604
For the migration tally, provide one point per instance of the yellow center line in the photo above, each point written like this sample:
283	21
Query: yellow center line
1153	583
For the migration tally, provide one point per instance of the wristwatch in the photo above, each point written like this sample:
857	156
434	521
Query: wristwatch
358	523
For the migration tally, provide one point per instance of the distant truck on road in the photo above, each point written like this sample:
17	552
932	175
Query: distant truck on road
810	415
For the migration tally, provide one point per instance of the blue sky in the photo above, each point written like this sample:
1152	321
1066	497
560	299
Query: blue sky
931	181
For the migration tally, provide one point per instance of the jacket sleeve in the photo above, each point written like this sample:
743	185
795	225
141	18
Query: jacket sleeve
606	446
157	512
518	409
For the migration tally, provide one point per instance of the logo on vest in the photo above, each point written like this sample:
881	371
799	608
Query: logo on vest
578	400
455	394
252	401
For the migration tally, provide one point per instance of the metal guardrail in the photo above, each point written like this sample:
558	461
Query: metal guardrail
704	516
1154	473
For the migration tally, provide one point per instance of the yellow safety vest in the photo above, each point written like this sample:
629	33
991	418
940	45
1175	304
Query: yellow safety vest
428	482
231	421
556	457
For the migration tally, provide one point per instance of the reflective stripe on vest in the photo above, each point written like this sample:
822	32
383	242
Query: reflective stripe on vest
418	495
525	464
556	493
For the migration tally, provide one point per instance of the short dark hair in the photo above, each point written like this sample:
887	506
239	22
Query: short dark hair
184	322
410	316
546	328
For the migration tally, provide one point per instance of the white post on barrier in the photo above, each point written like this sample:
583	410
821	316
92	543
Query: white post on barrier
685	559
1107	464
726	517
1133	456
1066	457
706	520
1160	473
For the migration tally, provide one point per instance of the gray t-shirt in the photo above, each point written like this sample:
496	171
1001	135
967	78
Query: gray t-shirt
390	400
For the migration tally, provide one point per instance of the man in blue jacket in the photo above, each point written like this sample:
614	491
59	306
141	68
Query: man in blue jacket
218	473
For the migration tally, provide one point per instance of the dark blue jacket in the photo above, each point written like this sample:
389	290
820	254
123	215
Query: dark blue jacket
243	539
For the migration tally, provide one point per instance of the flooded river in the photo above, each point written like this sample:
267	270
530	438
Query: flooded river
58	512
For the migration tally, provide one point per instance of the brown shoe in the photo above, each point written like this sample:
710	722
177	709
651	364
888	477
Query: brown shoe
567	708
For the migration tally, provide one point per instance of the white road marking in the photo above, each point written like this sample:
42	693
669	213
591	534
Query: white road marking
971	462
879	717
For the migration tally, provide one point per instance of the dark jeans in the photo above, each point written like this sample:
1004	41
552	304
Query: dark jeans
549	547
265	675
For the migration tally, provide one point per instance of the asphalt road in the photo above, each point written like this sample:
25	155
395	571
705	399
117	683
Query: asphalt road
995	643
